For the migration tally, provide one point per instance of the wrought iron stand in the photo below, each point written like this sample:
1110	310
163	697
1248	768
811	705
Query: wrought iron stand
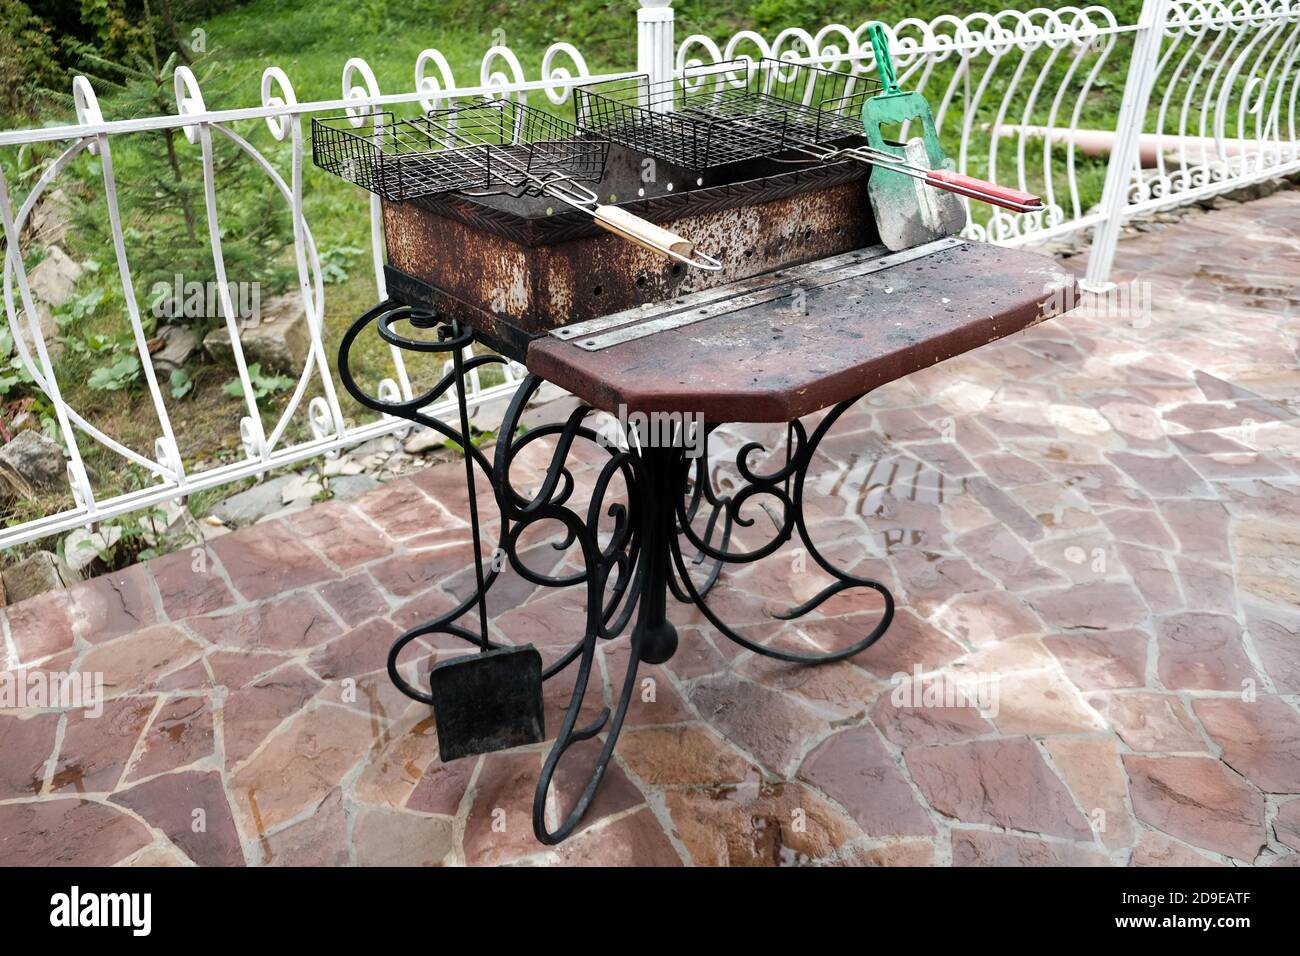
669	494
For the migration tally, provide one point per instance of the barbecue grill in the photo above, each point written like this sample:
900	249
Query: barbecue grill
770	169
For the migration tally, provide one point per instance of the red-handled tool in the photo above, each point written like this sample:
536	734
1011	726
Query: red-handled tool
982	189
1016	200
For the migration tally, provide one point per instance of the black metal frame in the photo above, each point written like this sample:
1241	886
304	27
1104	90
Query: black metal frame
669	494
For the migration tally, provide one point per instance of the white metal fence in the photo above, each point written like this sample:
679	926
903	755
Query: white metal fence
1208	105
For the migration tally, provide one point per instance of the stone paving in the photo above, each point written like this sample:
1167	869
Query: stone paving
1092	529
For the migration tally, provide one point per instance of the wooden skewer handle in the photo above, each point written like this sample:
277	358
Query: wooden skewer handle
1002	196
643	233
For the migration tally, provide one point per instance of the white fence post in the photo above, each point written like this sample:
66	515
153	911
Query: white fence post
1124	158
654	48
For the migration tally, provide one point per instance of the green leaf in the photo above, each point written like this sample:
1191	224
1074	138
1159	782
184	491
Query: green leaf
103	380
182	384
115	377
334	263
263	385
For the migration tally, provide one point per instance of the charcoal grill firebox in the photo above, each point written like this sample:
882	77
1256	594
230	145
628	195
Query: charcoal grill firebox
512	268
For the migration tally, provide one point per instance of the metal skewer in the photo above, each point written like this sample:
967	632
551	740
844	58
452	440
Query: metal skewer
776	129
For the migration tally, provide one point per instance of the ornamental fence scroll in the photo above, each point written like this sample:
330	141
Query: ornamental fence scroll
1207	105
311	422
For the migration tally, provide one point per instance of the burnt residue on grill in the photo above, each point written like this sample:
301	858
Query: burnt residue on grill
516	267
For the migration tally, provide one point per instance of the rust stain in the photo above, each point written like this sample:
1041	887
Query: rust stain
262	838
74	774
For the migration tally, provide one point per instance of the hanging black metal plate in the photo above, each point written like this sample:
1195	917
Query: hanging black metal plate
488	701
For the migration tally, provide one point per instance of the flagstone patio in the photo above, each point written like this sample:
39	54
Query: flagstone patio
1096	521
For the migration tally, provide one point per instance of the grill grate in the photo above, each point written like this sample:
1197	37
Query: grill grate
481	148
727	112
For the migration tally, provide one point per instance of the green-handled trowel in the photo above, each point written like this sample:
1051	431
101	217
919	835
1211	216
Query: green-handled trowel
908	210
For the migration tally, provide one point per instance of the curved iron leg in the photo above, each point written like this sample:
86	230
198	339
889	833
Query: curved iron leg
645	551
663	477
786	485
659	477
661	498
442	337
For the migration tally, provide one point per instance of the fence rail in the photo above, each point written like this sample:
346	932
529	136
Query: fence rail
1208	105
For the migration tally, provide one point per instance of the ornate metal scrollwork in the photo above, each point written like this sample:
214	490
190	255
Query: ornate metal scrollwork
628	568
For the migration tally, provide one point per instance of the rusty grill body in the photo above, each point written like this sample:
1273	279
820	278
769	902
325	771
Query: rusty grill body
513	268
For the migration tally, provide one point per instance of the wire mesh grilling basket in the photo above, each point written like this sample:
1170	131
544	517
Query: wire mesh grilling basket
727	112
483	147
489	147
745	109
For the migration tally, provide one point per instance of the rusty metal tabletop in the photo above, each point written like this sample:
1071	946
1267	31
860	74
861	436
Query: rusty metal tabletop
782	345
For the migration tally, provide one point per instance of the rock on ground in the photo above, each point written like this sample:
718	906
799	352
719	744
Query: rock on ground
32	460
55	277
173	346
81	547
279	339
43	571
50	219
349	486
248	507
